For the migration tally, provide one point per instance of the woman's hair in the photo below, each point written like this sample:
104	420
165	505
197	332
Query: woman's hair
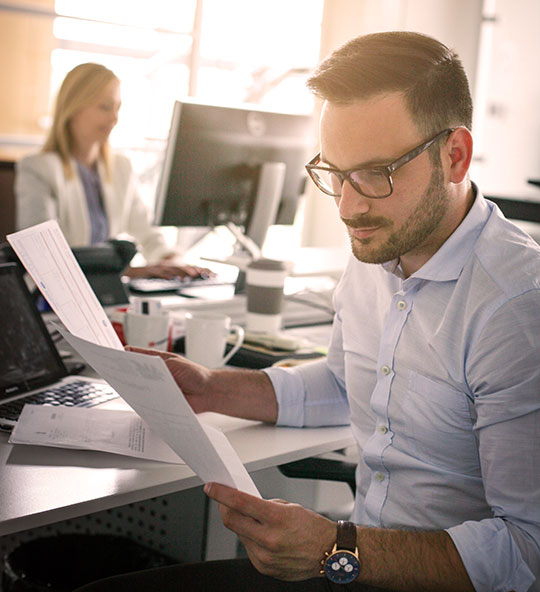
428	74
81	88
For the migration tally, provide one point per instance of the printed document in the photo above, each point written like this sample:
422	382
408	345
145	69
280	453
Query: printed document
147	386
143	381
50	262
120	431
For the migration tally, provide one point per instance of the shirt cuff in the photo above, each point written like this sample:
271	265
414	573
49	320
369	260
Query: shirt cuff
291	406
309	395
491	556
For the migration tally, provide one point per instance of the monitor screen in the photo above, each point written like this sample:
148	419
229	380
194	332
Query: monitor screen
213	162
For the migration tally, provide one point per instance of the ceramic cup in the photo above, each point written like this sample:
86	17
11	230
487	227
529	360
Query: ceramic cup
206	338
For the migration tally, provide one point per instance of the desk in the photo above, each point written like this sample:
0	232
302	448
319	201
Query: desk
41	488
43	485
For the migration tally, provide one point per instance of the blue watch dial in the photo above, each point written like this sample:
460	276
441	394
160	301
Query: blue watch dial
342	567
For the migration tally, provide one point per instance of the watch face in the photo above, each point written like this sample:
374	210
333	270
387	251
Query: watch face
342	567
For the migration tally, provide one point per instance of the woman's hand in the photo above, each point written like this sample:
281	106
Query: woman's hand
164	270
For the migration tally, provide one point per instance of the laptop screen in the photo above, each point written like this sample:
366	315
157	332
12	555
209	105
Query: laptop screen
28	356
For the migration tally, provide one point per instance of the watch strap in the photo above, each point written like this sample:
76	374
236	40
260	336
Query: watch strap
346	536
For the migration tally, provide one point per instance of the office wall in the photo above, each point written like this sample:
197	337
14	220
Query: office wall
454	22
26	44
507	126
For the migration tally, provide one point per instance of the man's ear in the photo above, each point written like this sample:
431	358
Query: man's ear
458	154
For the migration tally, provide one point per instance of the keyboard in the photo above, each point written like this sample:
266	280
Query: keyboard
77	393
159	285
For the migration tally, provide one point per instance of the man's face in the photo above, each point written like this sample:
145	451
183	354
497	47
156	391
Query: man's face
409	223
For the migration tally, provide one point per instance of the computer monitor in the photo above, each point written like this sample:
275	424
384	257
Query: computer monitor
220	167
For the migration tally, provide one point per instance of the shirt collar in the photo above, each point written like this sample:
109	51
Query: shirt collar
447	263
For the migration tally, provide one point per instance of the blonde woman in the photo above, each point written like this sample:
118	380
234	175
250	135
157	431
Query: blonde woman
77	180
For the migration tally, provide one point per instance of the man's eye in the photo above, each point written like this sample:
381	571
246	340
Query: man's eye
372	182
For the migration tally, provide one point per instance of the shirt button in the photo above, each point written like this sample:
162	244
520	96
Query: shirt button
379	476
385	370
402	305
382	429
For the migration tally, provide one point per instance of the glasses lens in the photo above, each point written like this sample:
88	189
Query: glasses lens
368	182
327	181
371	182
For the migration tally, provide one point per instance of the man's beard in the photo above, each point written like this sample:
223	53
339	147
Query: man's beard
413	232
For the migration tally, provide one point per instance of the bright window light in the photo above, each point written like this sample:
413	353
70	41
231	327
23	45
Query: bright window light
169	15
135	39
246	51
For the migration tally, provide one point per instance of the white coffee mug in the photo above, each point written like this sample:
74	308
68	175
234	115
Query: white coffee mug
149	331
206	338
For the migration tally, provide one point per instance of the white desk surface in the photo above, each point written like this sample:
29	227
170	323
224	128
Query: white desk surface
40	486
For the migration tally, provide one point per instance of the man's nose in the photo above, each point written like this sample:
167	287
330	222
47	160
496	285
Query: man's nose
351	203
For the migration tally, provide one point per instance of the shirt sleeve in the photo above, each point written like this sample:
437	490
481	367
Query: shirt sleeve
313	394
35	198
503	369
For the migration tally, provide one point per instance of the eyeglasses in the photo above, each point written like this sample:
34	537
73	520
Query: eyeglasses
370	181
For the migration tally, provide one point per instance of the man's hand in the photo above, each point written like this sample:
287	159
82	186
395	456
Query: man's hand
240	393
282	540
192	378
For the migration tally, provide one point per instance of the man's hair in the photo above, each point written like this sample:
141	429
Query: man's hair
428	74
81	88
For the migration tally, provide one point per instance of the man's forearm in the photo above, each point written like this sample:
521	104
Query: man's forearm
410	560
243	393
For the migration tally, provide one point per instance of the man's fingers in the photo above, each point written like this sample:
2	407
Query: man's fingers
244	503
150	352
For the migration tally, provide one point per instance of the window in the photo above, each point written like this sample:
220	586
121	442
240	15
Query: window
228	52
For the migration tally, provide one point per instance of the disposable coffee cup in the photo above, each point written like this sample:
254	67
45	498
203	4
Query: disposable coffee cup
265	279
149	331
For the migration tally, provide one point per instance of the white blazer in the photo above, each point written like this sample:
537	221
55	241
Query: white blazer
43	193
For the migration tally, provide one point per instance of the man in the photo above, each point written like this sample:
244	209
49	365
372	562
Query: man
434	357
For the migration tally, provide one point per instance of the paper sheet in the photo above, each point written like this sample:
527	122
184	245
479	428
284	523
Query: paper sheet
108	430
49	260
146	384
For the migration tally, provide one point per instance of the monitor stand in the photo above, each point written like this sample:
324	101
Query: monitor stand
248	244
269	190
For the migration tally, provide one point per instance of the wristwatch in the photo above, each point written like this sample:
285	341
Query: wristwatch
342	564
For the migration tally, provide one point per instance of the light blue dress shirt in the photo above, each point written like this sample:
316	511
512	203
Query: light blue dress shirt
439	376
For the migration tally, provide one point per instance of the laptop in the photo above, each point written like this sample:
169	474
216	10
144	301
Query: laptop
31	369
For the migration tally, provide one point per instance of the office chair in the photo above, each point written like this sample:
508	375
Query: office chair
322	468
7	198
517	209
332	467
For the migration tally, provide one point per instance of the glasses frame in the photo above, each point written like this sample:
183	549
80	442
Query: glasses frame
387	170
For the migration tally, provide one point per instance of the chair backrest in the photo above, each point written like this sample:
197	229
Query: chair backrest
7	198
